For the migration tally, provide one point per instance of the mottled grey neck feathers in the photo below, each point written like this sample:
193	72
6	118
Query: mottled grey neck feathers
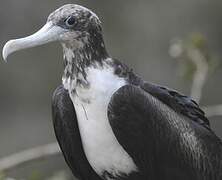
82	52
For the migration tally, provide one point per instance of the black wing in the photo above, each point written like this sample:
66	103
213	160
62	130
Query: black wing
68	136
180	103
164	142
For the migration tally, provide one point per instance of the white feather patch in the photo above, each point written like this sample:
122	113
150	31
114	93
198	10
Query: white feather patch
101	147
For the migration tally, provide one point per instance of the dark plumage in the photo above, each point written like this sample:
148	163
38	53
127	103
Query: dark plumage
68	136
110	124
154	142
170	152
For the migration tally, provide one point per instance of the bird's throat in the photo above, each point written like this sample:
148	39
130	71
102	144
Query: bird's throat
78	56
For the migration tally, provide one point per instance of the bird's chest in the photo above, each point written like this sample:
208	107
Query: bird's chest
101	147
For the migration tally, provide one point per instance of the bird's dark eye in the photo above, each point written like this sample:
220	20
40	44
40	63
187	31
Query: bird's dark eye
70	21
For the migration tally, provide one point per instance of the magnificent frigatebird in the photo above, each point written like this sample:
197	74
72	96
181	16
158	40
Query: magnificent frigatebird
110	124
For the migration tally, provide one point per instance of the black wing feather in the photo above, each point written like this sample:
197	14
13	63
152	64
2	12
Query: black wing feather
68	136
164	142
178	102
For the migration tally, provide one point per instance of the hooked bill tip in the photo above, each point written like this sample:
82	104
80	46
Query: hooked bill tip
6	51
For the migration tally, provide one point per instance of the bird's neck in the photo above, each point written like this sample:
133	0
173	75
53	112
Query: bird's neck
80	54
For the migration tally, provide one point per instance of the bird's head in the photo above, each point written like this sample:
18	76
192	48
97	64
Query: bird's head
76	27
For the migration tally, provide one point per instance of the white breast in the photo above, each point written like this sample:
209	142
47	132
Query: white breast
101	147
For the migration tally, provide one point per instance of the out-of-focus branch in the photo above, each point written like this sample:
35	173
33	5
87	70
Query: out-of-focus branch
200	74
188	54
195	52
20	158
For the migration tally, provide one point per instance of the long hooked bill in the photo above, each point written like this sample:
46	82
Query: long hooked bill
48	33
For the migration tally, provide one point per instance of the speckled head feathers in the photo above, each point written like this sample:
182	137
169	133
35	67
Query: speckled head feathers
83	17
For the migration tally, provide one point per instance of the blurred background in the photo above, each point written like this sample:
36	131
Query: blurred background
151	36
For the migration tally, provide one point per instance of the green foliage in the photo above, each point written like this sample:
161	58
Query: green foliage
36	175
2	176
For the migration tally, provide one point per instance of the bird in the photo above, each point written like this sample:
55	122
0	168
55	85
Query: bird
109	122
